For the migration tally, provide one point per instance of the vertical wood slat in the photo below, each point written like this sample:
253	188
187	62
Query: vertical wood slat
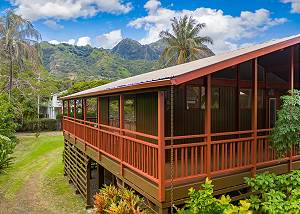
121	122
254	112
161	145
208	124
292	54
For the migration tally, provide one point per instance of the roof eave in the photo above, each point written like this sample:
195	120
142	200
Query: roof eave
141	86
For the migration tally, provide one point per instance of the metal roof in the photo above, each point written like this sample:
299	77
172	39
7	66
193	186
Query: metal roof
185	72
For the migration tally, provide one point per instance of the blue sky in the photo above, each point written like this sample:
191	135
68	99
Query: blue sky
103	23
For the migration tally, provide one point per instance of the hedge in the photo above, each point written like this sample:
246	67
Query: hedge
45	125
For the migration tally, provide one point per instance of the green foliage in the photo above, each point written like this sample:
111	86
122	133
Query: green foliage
275	194
287	128
7	116
6	149
36	125
86	63
202	201
80	86
185	44
111	199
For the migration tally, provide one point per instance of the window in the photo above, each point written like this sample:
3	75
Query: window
114	112
245	98
215	99
129	113
193	97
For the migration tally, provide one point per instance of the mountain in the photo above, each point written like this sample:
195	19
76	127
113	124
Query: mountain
127	58
133	50
89	63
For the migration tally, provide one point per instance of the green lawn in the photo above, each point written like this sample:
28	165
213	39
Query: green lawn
35	182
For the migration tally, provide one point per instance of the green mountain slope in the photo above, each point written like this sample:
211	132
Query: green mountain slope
127	58
86	62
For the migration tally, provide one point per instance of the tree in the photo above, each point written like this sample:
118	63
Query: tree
18	43
185	44
286	132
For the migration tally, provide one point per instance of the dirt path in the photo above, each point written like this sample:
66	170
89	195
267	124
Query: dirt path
36	184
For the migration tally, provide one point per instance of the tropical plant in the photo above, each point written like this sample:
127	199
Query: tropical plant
275	194
18	43
6	149
113	200
286	132
202	201
185	44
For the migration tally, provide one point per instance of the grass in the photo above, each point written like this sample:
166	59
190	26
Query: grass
38	167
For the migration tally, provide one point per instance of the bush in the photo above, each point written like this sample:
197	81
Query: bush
276	194
7	112
287	127
6	149
202	201
113	200
34	126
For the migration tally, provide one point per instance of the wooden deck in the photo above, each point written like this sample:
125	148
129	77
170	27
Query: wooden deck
135	161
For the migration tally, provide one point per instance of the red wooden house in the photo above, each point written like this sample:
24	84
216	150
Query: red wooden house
163	132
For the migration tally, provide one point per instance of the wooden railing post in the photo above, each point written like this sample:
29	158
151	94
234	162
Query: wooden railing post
121	112
84	110
74	115
292	52
69	108
208	124
254	114
161	145
99	122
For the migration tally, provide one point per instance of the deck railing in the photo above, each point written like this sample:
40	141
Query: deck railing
127	147
229	151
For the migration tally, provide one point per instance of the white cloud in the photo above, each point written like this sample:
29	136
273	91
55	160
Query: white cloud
53	24
109	40
67	9
70	42
227	31
54	42
152	5
83	41
295	4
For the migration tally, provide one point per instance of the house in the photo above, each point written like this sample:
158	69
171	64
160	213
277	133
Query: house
165	131
54	107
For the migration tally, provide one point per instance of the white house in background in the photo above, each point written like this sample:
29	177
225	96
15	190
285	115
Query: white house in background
54	106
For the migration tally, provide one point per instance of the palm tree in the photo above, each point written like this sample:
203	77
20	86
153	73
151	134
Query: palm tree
185	44
19	42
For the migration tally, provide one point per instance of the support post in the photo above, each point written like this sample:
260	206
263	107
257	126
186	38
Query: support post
74	113
254	114
99	122
84	110
100	176
69	108
121	115
88	184
161	145
292	55
208	124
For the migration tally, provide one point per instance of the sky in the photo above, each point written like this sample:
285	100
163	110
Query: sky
231	24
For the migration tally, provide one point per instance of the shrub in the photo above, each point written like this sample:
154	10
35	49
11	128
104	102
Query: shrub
287	127
7	112
202	201
275	194
36	125
6	149
113	200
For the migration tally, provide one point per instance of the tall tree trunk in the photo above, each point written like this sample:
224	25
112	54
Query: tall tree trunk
10	77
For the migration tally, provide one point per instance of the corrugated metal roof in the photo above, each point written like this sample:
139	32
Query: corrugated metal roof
168	75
